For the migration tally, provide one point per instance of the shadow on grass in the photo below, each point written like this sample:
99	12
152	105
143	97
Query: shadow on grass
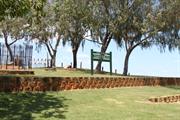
27	106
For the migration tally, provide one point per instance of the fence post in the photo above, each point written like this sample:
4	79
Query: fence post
25	56
102	69
110	63
115	71
19	57
80	65
30	55
62	64
14	56
91	61
0	56
6	59
47	63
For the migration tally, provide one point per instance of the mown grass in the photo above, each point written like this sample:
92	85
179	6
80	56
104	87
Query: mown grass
97	104
69	73
60	72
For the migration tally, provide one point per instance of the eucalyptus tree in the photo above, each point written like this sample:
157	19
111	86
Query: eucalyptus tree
170	19
44	28
105	14
13	22
137	28
100	27
144	23
75	16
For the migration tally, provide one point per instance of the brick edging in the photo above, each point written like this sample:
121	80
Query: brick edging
165	99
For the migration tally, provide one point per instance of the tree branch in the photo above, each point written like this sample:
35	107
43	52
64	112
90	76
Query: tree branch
51	46
108	39
57	43
49	49
140	42
126	45
5	37
126	42
93	41
13	42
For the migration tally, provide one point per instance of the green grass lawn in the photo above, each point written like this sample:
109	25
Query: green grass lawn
98	104
68	73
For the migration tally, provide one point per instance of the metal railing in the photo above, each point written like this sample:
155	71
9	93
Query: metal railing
21	57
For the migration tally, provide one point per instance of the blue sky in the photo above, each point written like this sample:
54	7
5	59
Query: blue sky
149	61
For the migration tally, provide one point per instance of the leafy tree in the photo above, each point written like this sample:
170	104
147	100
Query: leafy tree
75	14
101	19
170	19
17	9
106	13
137	29
143	26
13	21
45	28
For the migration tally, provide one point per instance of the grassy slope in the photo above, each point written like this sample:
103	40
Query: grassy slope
67	73
98	104
71	73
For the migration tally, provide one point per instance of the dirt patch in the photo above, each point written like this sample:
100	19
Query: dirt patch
146	102
110	100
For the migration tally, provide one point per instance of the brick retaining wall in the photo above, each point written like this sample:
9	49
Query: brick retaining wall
12	83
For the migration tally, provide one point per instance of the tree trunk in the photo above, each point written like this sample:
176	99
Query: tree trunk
53	60
52	54
8	47
10	52
126	62
98	67
104	47
128	52
53	63
75	58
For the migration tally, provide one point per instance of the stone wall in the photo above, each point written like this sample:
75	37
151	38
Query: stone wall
12	83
